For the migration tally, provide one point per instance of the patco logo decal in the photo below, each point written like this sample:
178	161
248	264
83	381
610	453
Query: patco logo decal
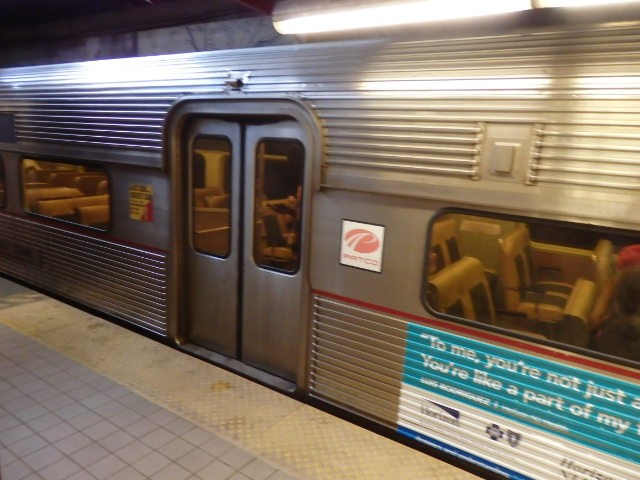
362	241
361	245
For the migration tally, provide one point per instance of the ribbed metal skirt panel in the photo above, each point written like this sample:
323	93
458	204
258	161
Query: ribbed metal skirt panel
126	282
357	358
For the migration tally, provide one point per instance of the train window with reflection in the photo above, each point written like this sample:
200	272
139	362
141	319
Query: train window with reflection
278	202
211	188
548	280
3	183
64	191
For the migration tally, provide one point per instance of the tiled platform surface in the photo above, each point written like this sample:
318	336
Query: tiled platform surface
83	399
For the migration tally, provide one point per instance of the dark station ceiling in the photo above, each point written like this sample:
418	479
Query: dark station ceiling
64	23
37	21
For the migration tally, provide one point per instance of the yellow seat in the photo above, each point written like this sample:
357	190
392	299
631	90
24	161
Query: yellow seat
32	196
541	300
94	215
276	250
461	289
200	195
88	183
444	244
68	208
563	307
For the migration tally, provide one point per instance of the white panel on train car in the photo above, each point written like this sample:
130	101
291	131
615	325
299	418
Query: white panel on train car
362	245
506	152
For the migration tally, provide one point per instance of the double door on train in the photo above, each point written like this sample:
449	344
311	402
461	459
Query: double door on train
244	203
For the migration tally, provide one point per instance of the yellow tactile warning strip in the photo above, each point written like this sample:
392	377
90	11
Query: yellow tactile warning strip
290	435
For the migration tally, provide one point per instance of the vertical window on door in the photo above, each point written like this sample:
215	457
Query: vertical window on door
278	204
211	190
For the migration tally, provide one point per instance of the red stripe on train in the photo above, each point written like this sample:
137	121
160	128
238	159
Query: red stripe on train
491	337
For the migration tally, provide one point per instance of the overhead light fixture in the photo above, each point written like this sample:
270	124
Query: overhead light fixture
578	3
294	17
300	17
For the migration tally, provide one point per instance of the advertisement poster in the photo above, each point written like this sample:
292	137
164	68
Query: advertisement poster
484	402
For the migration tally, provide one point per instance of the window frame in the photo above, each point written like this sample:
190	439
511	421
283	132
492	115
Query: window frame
258	216
619	237
191	187
103	170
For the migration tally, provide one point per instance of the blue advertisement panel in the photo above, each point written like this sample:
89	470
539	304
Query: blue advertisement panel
601	413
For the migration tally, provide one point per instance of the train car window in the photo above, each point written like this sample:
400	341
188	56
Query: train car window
3	191
211	189
65	191
557	281
278	202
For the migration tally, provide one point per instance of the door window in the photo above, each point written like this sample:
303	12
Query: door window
278	204
211	187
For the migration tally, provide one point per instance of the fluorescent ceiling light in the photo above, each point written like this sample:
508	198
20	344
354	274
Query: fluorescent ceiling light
579	3
369	15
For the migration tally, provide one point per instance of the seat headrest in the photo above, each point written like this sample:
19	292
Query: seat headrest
516	241
455	281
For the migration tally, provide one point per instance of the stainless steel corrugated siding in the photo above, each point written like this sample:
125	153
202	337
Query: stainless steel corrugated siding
607	157
357	358
421	107
358	362
126	282
402	110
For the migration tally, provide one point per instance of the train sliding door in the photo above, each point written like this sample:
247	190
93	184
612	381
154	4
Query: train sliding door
245	197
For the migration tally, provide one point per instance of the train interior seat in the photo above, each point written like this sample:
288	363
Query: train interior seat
62	179
604	260
605	278
202	196
211	217
444	248
560	310
276	249
43	184
68	208
520	291
103	187
43	175
33	196
461	288
88	183
94	215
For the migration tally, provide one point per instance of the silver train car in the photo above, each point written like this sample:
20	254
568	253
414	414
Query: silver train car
440	235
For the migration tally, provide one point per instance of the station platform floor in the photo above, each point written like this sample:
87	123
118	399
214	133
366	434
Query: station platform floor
84	399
